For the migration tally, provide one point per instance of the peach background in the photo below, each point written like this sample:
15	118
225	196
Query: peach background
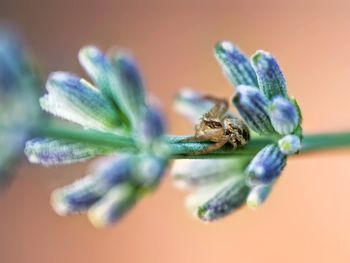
307	217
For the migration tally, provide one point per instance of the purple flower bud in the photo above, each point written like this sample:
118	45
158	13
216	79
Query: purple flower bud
132	91
253	107
83	193
112	206
152	126
78	101
221	200
49	152
266	166
270	77
235	64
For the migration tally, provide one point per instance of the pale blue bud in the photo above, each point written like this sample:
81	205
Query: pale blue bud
266	166
258	195
290	144
284	115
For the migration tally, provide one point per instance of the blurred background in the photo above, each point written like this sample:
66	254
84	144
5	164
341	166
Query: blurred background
307	217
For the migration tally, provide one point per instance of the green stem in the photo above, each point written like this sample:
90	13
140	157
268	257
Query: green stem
85	136
185	150
323	141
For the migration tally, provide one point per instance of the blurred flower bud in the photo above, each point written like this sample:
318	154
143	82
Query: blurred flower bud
148	169
78	101
99	69
192	104
19	85
235	64
83	193
290	144
216	201
266	166
253	107
258	195
284	116
152	126
112	206
132	91
49	152
200	172
270	77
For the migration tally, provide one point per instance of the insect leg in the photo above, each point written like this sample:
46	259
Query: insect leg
197	138
212	147
220	107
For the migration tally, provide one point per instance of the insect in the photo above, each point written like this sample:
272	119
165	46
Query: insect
220	127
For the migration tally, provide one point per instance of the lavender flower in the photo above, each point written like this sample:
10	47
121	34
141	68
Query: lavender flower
269	111
224	185
219	184
114	104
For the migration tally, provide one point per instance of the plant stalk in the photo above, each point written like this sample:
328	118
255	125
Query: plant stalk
185	150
